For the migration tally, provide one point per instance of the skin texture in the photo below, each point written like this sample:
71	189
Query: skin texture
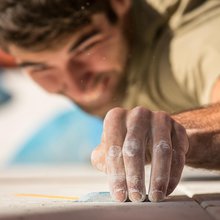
203	130
140	137
132	139
92	75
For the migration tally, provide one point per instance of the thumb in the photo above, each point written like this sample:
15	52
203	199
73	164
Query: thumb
98	158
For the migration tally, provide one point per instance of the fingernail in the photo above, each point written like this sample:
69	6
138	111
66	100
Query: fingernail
120	196
136	197
156	196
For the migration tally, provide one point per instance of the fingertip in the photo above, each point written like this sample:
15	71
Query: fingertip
156	196
97	160
120	196
137	197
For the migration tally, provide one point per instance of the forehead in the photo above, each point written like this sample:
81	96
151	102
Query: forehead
61	45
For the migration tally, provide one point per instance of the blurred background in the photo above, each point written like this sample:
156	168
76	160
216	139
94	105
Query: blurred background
39	128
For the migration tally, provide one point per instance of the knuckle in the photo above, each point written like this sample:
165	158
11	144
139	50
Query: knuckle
140	111
114	114
138	120
132	147
164	147
114	151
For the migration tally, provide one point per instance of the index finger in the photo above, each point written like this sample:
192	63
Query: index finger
114	131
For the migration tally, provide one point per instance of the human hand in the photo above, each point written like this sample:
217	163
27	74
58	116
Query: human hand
132	139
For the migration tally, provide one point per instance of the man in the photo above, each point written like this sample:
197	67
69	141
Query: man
111	56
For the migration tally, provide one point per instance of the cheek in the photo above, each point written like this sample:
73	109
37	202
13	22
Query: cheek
49	82
107	58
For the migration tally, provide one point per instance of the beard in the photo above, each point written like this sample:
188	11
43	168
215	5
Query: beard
102	97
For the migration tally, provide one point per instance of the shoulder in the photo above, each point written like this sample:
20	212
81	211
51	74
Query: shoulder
195	58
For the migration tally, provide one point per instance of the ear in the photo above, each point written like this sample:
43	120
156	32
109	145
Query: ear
121	7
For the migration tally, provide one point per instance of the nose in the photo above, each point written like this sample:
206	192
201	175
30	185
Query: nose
79	73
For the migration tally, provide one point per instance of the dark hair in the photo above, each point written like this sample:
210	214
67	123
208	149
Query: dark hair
37	24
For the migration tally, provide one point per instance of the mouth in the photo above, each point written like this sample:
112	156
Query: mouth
96	93
90	83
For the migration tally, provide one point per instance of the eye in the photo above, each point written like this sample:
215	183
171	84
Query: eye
39	68
36	69
88	42
87	47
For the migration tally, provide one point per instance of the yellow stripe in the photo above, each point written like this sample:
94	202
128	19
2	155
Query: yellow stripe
47	196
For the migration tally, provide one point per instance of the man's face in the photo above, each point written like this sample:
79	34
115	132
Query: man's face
88	67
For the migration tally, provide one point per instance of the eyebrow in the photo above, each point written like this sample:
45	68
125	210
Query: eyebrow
29	64
82	39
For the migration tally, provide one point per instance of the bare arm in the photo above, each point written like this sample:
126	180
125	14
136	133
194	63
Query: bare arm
133	138
203	130
137	137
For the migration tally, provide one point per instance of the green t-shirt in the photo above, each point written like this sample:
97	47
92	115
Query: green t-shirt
180	61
